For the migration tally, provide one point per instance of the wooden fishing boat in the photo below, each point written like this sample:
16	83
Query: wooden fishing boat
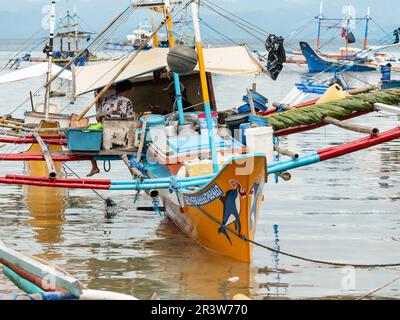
41	281
211	186
367	58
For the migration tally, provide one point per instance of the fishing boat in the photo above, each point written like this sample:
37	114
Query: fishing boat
39	280
141	34
210	183
366	57
70	39
316	63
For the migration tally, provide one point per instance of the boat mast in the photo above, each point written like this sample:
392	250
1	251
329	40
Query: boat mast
68	30
61	38
156	42
320	17
367	19
171	40
347	29
204	85
50	59
76	30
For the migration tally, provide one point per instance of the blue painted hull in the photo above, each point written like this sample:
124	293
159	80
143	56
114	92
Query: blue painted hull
390	84
316	64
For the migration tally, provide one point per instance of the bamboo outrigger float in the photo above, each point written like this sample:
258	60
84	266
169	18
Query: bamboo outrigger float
216	200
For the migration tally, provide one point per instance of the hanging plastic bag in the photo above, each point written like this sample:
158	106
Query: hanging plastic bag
276	55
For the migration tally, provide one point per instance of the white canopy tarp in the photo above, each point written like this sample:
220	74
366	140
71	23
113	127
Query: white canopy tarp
36	70
236	61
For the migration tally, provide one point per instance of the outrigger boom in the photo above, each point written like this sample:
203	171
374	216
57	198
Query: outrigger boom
184	183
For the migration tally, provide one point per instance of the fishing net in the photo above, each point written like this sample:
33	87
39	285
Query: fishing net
338	109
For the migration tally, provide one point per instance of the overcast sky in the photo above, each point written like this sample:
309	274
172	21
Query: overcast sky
21	18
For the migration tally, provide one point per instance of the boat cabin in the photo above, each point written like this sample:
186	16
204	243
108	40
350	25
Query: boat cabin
158	135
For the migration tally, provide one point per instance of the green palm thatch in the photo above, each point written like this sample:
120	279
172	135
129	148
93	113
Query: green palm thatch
338	109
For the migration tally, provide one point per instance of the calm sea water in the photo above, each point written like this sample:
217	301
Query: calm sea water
345	210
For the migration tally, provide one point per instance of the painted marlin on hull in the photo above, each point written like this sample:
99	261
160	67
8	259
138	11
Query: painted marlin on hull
232	208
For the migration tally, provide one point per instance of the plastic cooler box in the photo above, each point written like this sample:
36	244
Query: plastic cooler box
260	140
80	139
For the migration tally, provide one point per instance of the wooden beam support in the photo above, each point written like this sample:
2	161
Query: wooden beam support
351	127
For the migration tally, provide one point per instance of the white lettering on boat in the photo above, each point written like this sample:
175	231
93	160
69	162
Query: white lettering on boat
206	197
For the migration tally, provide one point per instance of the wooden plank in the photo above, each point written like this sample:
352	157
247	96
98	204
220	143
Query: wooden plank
41	270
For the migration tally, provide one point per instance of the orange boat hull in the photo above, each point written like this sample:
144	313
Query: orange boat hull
223	216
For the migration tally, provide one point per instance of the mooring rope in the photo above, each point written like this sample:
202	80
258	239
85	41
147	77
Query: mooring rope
331	263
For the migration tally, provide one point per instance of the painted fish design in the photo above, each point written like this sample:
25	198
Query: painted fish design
232	208
255	192
253	212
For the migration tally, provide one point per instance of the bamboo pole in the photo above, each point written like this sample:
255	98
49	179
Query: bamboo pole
126	64
285	176
142	139
286	152
387	108
47	156
351	127
134	172
251	103
365	89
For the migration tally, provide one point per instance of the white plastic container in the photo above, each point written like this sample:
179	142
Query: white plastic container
260	140
203	123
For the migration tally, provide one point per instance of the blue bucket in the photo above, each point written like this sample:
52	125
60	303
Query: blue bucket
153	120
81	139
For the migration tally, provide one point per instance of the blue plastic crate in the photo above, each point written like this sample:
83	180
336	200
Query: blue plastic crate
84	140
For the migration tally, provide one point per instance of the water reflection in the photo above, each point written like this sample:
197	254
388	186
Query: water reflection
46	207
199	272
